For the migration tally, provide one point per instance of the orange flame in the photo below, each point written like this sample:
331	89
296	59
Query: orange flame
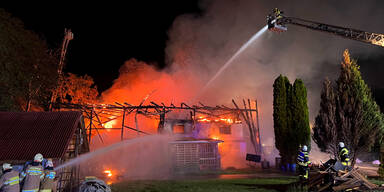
224	120
204	120
108	172
109	124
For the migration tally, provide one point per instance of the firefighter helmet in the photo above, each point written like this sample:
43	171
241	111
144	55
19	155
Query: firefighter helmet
7	166
305	148
341	145
38	157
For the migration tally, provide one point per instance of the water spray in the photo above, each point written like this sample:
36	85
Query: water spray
230	61
107	149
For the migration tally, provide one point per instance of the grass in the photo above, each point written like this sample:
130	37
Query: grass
239	171
376	181
233	171
214	185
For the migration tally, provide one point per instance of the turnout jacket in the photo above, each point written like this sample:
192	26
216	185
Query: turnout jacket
48	183
344	156
32	175
9	181
303	159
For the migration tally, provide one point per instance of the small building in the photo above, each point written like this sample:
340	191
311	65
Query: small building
235	139
192	155
60	136
206	144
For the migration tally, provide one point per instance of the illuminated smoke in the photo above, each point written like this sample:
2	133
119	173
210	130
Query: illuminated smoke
199	45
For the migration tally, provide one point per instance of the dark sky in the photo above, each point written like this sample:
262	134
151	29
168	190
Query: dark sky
106	35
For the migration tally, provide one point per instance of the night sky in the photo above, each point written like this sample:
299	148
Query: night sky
106	35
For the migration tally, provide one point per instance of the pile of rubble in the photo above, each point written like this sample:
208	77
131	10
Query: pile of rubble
331	178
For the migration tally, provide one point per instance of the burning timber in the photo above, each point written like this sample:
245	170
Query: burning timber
201	128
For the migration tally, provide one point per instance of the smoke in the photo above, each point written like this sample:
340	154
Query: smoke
212	37
146	157
138	80
200	44
139	83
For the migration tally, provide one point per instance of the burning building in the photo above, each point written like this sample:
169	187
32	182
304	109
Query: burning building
205	138
202	146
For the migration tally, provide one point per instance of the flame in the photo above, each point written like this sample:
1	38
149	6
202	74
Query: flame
135	82
109	124
217	138
204	120
224	120
108	172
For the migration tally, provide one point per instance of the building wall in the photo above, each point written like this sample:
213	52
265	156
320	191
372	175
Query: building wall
236	141
232	151
195	156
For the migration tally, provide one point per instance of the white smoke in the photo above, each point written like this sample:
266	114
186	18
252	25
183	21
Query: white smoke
202	43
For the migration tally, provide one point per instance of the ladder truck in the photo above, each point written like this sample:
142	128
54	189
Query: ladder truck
67	37
277	22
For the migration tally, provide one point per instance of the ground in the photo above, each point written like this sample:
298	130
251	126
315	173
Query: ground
229	180
214	185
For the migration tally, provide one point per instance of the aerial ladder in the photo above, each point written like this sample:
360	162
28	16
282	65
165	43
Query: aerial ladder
278	22
68	36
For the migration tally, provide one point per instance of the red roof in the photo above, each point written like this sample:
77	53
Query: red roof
23	134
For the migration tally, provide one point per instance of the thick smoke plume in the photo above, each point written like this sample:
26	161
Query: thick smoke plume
199	44
212	37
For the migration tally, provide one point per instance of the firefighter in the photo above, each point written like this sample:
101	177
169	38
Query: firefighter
48	183
9	181
303	162
33	174
344	155
277	13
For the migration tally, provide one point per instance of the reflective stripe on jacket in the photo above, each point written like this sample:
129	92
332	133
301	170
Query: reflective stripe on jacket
31	190
45	190
48	182
303	158
9	182
344	156
33	176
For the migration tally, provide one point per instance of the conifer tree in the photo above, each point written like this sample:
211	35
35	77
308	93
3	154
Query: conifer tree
355	118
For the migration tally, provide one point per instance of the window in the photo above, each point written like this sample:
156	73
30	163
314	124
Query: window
178	129
225	129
